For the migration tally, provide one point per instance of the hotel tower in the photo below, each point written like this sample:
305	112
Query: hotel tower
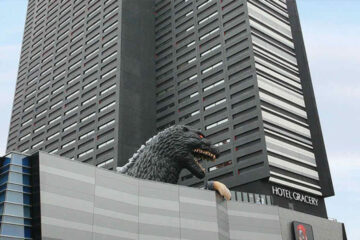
97	78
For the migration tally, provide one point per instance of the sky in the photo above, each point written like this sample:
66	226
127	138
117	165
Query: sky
331	30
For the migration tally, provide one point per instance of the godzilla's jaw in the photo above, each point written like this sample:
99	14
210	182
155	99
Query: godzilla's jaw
194	165
195	168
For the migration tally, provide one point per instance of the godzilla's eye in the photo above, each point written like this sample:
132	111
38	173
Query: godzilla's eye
201	136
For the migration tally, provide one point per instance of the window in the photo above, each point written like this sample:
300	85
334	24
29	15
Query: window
89	100
24	137
189	13
87	134
71	110
110	41
92	53
204	4
221	165
72	95
56	104
207	18
29	107
53	135
210	50
106	124
74	79
226	141
214	104
90	84
195	113
30	94
68	144
39	129
109	57
209	33
58	89
54	120
112	11
105	143
71	126
85	153
108	73
105	163
216	124
190	44
54	151
43	98
27	122
194	94
91	68
92	26
106	107
76	50
37	144
212	67
190	28
213	85
74	65
87	117
108	89
109	27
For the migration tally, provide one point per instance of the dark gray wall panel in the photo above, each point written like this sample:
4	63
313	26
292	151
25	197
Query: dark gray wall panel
112	206
137	100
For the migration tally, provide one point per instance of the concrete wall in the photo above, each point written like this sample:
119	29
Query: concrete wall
79	201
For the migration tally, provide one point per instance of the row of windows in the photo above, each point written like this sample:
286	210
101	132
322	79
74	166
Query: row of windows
51	42
188	45
18	82
81	145
183	91
61	103
56	90
53	121
288	137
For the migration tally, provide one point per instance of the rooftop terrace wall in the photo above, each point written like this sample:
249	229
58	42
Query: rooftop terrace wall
79	201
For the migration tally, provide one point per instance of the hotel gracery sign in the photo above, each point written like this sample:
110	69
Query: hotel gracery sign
293	195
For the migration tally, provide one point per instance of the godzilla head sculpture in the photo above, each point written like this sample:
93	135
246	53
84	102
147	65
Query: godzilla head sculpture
167	153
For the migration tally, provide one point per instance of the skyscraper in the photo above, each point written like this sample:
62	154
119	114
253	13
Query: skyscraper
97	78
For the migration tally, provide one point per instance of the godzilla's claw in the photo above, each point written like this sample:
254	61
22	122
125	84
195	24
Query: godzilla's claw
222	190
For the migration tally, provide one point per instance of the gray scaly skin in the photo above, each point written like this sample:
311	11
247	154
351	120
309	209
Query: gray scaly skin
164	156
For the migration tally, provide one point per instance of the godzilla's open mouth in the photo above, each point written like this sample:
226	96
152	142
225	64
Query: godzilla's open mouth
200	154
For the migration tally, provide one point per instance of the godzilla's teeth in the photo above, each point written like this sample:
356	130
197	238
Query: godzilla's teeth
205	155
201	167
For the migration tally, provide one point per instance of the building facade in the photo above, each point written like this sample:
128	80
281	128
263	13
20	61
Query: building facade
97	78
80	80
237	70
73	200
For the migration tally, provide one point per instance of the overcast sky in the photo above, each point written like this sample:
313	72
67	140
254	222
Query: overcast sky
331	30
